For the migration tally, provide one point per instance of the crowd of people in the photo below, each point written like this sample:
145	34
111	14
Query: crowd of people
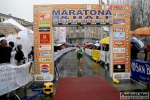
11	54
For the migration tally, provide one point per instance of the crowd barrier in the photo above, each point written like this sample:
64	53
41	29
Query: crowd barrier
98	55
12	77
140	70
59	53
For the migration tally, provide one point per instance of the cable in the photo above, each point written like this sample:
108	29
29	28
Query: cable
40	91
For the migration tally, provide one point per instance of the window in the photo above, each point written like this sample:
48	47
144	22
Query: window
3	19
77	27
0	20
82	27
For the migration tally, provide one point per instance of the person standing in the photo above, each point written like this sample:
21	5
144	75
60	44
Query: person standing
19	57
4	52
31	54
79	52
13	53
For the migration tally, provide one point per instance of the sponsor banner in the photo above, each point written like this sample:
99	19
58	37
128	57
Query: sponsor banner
118	29
121	75
44	38
140	70
44	29
55	19
13	77
88	6
118	15
44	53
44	23
106	7
119	61
118	50
119	68
118	8
43	78
119	21
62	34
96	55
45	68
119	43
45	47
44	10
44	16
45	59
119	35
119	56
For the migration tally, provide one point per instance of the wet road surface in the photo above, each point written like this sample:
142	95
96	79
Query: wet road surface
68	67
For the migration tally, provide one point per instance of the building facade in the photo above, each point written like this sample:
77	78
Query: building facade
24	23
77	34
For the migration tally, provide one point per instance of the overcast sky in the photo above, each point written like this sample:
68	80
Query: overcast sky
24	8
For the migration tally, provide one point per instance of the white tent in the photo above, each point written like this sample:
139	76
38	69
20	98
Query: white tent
14	23
26	37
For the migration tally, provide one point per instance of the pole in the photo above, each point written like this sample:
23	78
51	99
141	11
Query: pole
108	2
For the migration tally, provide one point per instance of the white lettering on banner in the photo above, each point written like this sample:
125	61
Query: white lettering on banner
12	77
119	50
138	68
148	69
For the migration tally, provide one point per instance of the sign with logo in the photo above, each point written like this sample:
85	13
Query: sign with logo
55	19
119	50
44	29
119	61
118	8
43	77
119	68
44	68
45	59
39	78
119	56
140	70
45	47
118	15
121	75
44	16
119	43
118	29
88	6
44	38
44	23
119	21
45	54
119	35
82	6
44	10
105	7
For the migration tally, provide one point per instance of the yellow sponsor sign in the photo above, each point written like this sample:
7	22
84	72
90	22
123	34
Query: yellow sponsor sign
96	55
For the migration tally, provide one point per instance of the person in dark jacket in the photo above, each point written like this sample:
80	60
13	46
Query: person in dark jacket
5	52
19	57
31	54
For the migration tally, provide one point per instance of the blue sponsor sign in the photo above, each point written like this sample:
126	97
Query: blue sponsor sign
55	19
119	21
45	53
119	35
140	70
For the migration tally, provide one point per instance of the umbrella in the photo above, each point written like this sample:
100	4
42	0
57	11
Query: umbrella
105	40
7	28
141	32
137	43
97	44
